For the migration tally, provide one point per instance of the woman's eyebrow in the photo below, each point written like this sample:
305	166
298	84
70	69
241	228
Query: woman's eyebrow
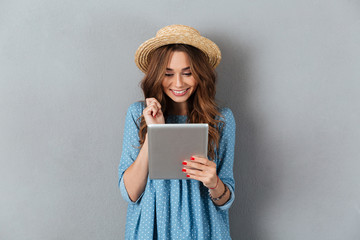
170	69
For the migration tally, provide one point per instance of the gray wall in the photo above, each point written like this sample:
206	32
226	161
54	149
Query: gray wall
290	73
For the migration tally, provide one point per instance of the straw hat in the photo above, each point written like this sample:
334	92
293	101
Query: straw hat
177	34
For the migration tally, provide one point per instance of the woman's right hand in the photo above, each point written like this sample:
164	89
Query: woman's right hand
152	113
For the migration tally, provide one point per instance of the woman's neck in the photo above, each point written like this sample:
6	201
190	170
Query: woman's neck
178	108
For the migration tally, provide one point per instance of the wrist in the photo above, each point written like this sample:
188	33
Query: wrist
218	198
217	183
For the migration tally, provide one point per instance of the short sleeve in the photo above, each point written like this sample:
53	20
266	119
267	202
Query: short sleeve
130	146
226	155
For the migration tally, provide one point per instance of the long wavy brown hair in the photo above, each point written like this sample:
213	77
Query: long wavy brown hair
201	107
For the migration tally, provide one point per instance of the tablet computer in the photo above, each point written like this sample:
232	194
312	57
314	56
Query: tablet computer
170	144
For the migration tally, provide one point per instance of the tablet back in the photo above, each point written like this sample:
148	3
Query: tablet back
171	144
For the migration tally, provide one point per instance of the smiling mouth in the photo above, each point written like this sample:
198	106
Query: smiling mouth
179	93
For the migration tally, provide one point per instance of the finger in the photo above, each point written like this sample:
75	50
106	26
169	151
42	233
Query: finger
151	110
199	159
157	103
195	165
203	161
206	180
159	110
156	108
195	177
192	164
150	101
194	172
154	104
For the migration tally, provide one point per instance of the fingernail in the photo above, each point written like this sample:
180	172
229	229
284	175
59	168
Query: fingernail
184	163
192	158
188	175
184	170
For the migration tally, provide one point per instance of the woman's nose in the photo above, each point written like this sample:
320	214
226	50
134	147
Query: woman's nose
179	81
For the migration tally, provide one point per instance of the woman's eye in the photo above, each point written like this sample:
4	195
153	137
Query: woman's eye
168	74
187	74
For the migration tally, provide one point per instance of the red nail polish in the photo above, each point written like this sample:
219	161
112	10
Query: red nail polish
184	170
192	158
184	163
188	175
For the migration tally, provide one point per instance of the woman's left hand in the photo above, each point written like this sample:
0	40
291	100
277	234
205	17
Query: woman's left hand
201	169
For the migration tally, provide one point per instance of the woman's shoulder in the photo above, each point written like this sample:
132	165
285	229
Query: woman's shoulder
134	111
226	115
136	108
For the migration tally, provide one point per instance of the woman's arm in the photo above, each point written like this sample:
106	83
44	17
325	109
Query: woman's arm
135	177
217	177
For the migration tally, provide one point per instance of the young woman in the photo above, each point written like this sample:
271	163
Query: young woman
179	87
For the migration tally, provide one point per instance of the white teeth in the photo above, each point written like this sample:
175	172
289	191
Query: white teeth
179	92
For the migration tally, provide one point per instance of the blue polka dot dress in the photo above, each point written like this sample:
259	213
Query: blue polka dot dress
177	209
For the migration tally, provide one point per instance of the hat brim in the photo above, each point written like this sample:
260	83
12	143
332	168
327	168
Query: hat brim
207	46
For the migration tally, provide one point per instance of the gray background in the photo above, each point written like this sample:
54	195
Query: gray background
290	73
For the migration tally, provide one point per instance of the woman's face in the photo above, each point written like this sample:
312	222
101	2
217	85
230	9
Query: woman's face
178	82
